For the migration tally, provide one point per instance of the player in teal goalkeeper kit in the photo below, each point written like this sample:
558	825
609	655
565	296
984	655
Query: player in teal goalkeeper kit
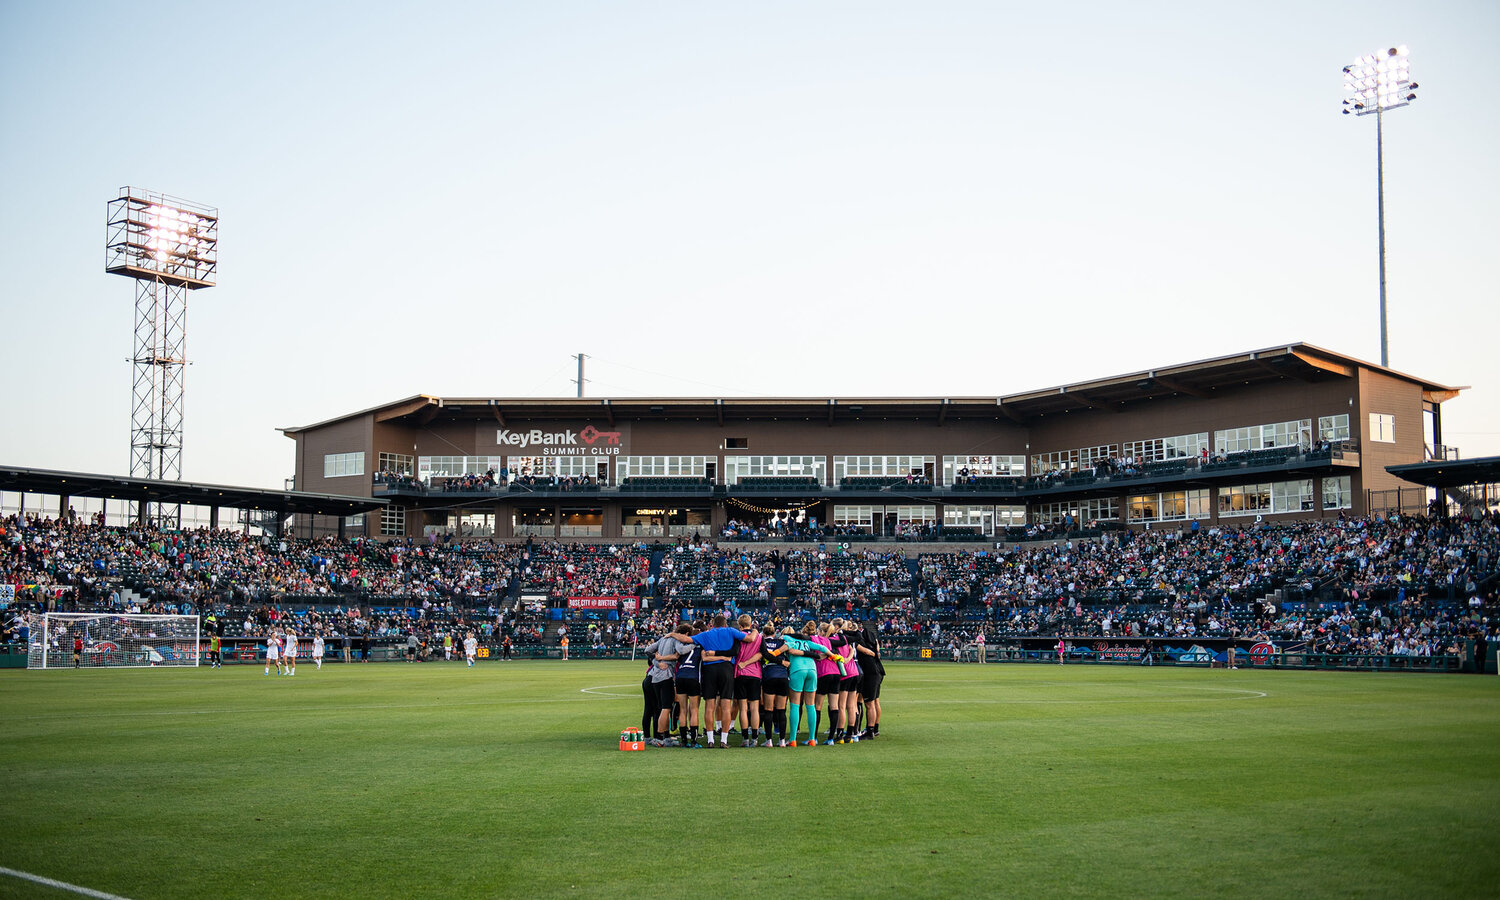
804	682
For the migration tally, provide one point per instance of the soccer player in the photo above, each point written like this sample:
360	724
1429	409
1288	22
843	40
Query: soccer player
273	652
658	689
318	648
562	639
447	646
215	658
830	673
1062	650
803	681
717	674
471	649
686	687
747	681
78	652
289	650
872	674
849	685
505	643
774	683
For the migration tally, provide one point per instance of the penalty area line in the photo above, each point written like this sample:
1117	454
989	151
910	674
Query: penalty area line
60	885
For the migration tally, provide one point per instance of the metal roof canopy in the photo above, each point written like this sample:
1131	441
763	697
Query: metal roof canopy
1450	473
120	487
1202	379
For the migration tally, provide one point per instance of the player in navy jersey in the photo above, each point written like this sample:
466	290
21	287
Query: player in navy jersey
774	684
685	684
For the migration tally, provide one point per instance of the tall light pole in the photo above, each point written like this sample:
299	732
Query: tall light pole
1375	83
167	247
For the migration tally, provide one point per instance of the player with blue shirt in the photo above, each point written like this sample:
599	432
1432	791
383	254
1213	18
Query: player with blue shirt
717	675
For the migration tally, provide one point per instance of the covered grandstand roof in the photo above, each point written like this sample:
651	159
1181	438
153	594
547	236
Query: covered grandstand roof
1450	473
1201	378
120	487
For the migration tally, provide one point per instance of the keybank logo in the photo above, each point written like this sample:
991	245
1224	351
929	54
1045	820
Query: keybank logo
536	437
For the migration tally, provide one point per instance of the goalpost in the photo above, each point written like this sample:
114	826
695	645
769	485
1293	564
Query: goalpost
112	640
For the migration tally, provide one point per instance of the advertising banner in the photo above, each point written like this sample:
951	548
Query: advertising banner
593	602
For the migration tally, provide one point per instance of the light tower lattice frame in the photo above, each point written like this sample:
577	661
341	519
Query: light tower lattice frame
168	246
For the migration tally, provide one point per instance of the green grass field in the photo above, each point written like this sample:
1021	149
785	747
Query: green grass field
432	780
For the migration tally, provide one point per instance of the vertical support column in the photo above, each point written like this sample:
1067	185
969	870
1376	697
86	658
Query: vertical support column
213	518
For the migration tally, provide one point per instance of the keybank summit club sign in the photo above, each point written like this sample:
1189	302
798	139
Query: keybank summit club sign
588	441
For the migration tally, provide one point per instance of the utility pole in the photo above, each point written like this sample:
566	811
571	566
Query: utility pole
580	357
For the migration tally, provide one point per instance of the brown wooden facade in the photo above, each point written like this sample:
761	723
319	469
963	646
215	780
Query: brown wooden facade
1294	383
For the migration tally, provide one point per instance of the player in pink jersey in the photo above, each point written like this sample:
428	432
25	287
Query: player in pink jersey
849	705
830	673
747	682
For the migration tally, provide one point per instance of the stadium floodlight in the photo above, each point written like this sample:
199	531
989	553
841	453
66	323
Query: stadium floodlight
1374	83
168	247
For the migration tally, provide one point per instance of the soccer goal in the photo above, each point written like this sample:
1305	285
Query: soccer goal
111	640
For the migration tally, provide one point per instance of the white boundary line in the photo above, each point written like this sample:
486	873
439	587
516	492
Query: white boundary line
597	692
169	713
60	885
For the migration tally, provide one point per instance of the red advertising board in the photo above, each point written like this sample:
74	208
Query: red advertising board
593	602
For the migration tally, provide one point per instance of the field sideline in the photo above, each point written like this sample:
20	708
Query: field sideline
432	780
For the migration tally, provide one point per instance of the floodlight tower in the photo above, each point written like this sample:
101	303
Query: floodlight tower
168	247
1375	83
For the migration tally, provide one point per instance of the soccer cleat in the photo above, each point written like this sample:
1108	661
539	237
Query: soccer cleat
854	740
785	744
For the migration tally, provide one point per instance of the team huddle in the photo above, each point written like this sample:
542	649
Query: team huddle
769	684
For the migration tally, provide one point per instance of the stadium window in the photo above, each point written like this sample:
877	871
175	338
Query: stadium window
1333	428
1337	493
1185	446
736	443
340	465
1072	460
393	521
1383	428
1260	437
884	466
395	463
452	466
983	466
737	468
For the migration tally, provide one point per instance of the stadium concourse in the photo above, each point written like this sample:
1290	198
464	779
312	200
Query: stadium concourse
1398	585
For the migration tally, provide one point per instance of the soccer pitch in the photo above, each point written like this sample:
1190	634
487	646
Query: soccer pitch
434	780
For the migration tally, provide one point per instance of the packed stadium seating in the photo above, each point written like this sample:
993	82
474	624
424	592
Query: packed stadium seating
1398	584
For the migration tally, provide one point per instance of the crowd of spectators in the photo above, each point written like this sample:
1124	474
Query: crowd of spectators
1397	584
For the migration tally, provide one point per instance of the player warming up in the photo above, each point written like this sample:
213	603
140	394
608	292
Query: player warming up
289	650
273	652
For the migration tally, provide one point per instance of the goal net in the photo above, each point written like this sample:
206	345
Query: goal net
111	640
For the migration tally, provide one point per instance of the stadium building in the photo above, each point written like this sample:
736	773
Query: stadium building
1282	433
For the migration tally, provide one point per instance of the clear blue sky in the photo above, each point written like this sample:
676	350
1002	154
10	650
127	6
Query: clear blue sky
827	199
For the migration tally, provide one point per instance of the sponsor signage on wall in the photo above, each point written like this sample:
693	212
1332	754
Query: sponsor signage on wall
585	441
593	602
